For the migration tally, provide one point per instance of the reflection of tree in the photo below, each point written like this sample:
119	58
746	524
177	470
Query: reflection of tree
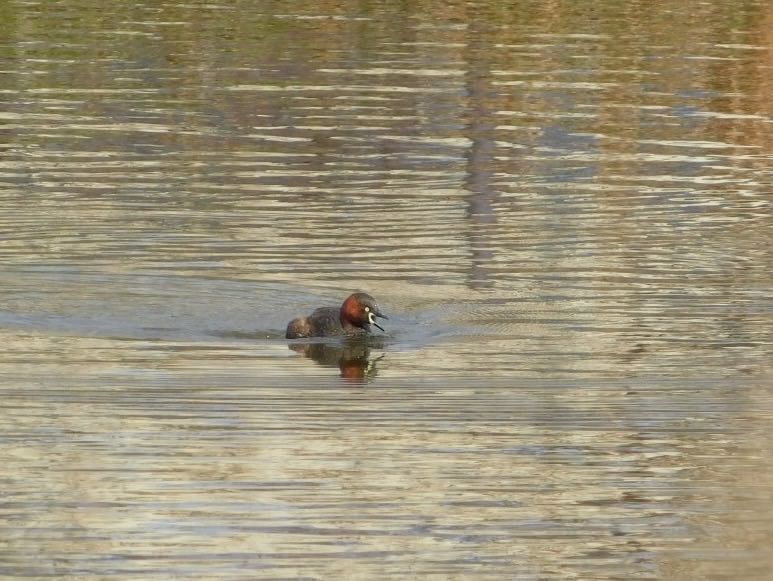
480	131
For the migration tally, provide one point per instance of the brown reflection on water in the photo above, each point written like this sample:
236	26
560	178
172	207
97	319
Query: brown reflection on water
352	358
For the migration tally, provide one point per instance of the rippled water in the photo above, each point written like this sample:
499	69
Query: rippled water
565	210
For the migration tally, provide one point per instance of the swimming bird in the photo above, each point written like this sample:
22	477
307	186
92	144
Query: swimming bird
355	316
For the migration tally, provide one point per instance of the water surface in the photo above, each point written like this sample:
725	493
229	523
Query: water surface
564	209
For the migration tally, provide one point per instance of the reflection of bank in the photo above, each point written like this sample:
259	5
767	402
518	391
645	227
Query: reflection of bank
352	357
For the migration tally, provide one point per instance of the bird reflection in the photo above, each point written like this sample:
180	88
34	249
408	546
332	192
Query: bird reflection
351	357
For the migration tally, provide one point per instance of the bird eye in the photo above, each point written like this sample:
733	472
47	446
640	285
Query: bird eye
367	309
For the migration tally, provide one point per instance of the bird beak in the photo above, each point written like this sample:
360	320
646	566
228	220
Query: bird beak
372	319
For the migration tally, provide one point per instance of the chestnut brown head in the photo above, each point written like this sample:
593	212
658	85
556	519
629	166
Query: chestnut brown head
360	310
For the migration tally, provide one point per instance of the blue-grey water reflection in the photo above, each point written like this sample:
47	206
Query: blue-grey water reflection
564	208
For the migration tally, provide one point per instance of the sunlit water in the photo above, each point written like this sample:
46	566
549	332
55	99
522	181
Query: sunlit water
565	210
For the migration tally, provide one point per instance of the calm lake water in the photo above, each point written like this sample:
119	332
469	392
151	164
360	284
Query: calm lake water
565	208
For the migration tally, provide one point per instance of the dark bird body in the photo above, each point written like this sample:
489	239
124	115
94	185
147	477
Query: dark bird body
354	317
